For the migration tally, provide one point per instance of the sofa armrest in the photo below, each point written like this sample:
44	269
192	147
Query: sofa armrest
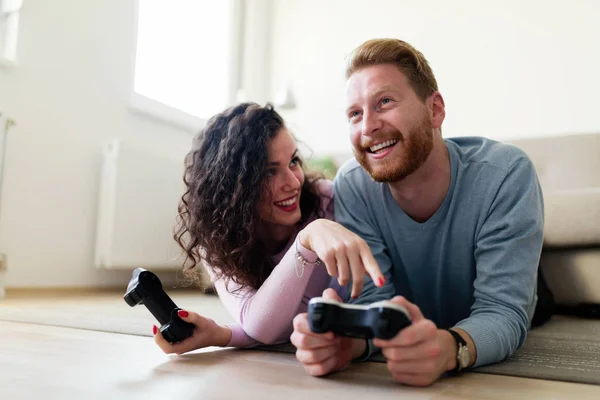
572	218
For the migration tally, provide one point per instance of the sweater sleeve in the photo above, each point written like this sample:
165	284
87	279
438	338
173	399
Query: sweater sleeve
263	316
507	254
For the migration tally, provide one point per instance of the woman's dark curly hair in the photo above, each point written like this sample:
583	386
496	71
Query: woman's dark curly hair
225	173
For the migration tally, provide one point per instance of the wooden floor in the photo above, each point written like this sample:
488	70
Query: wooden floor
53	362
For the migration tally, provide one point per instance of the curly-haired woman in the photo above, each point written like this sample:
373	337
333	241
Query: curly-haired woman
262	228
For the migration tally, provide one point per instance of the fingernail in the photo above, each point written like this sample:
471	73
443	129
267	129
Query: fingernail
154	329
380	281
354	297
182	313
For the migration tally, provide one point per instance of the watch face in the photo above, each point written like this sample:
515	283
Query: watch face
463	356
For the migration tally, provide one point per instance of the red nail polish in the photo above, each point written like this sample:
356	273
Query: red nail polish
354	297
154	329
380	281
182	313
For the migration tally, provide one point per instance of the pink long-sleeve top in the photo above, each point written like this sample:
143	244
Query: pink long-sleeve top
264	316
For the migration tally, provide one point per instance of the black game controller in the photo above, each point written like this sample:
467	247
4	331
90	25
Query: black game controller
145	288
382	319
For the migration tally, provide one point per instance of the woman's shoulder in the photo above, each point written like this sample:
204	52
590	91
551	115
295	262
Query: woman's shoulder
325	187
325	190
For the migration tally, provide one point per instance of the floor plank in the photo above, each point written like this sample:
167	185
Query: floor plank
101	311
56	363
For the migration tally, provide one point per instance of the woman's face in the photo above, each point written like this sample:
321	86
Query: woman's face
280	205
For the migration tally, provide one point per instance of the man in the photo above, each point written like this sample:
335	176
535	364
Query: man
456	226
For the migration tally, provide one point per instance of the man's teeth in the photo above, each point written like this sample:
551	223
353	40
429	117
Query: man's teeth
383	145
286	203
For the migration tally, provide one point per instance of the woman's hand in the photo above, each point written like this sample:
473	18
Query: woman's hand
343	252
206	333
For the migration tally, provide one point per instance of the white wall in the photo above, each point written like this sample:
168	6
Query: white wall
531	69
69	95
506	69
256	47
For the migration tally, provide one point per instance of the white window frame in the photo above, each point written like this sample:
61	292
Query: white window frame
9	30
154	109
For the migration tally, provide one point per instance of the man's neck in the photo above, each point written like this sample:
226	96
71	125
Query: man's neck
423	192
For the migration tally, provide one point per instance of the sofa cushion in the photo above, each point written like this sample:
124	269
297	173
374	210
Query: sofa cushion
573	276
572	217
564	162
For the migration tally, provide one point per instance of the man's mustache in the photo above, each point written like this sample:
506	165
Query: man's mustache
382	137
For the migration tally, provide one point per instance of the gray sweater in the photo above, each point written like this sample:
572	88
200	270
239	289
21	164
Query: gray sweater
474	263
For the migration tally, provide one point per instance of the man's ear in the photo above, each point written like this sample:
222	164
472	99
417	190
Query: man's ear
437	109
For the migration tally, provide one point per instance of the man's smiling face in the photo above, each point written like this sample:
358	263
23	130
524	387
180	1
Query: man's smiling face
390	127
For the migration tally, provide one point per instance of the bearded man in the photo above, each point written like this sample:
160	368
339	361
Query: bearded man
456	226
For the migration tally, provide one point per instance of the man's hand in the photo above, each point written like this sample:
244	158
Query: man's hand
420	353
323	353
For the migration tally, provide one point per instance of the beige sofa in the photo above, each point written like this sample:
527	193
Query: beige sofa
569	171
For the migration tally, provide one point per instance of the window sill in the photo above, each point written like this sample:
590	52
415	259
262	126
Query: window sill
5	63
156	110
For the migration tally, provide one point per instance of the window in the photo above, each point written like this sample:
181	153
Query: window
9	28
186	58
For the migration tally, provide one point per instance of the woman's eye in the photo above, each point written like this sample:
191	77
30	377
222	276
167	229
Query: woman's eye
270	173
385	100
295	161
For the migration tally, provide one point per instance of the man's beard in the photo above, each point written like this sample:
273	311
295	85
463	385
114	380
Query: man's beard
418	144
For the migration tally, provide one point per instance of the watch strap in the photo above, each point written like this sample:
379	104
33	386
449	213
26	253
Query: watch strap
459	342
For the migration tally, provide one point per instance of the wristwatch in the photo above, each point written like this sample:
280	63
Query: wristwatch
463	357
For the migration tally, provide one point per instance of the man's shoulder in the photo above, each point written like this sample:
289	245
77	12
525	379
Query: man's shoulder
485	151
350	176
352	172
348	166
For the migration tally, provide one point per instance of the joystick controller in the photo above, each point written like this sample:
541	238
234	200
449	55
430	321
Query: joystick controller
382	319
145	288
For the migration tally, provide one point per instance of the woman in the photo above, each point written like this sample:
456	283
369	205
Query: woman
260	226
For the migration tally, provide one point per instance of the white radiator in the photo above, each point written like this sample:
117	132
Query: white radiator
6	123
139	194
3	134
